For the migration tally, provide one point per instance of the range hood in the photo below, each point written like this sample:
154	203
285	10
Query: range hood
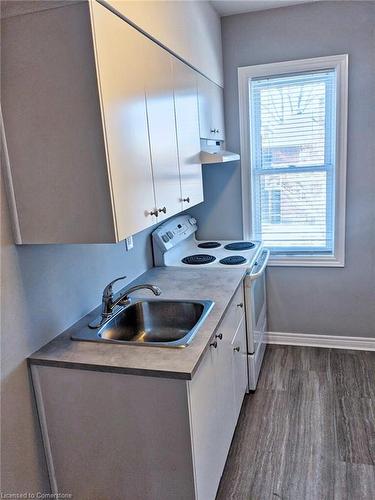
218	156
214	152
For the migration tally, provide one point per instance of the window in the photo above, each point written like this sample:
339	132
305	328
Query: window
293	135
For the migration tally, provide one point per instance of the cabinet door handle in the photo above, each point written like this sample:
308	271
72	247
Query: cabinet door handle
237	349
240	305
186	199
213	344
163	210
220	336
154	212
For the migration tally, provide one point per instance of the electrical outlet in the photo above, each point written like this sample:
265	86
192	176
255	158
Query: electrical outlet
129	243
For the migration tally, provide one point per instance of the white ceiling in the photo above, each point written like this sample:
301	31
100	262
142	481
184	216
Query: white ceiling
229	7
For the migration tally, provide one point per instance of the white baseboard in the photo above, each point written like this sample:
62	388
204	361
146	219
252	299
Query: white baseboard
332	341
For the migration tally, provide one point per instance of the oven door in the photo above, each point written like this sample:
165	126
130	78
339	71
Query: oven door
256	303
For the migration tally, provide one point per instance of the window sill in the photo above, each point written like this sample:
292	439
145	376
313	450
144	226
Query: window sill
300	261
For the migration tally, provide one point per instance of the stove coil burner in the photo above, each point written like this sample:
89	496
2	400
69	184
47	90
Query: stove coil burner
209	244
240	245
233	260
200	258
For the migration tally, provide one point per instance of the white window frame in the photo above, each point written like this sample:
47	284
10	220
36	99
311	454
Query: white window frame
245	74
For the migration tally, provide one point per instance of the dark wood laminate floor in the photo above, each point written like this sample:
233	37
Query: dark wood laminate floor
308	432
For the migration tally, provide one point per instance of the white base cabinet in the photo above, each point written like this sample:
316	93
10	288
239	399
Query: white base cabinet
128	437
216	394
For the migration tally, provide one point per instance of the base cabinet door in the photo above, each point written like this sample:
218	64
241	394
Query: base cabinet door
224	385
205	432
239	367
187	128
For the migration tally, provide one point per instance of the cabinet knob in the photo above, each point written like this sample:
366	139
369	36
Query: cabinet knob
213	344
163	210
154	212
186	199
220	336
237	349
240	305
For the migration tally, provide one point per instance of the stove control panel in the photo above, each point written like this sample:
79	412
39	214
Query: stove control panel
172	232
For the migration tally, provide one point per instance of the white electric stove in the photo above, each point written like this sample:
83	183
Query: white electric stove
175	245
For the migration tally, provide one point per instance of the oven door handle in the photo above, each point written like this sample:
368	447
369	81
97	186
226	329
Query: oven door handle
254	276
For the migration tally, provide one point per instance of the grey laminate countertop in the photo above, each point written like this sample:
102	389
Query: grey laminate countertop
218	285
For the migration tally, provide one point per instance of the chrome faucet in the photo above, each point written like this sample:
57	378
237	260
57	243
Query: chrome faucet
108	302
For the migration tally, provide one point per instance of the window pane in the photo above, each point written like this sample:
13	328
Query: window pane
293	155
293	211
290	118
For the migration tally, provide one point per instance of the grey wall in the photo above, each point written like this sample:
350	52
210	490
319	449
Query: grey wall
44	289
308	300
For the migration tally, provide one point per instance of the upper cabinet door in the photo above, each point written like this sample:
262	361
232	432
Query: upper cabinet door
211	109
121	76
162	129
187	127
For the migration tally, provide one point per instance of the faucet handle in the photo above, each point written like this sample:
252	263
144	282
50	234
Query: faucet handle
107	292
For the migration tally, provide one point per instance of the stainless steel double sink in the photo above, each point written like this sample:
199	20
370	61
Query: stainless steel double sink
152	322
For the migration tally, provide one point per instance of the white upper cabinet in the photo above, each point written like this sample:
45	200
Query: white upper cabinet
58	182
192	30
101	125
122	79
211	109
162	129
187	127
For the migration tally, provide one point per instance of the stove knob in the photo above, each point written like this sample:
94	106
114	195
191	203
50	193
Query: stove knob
165	238
192	221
